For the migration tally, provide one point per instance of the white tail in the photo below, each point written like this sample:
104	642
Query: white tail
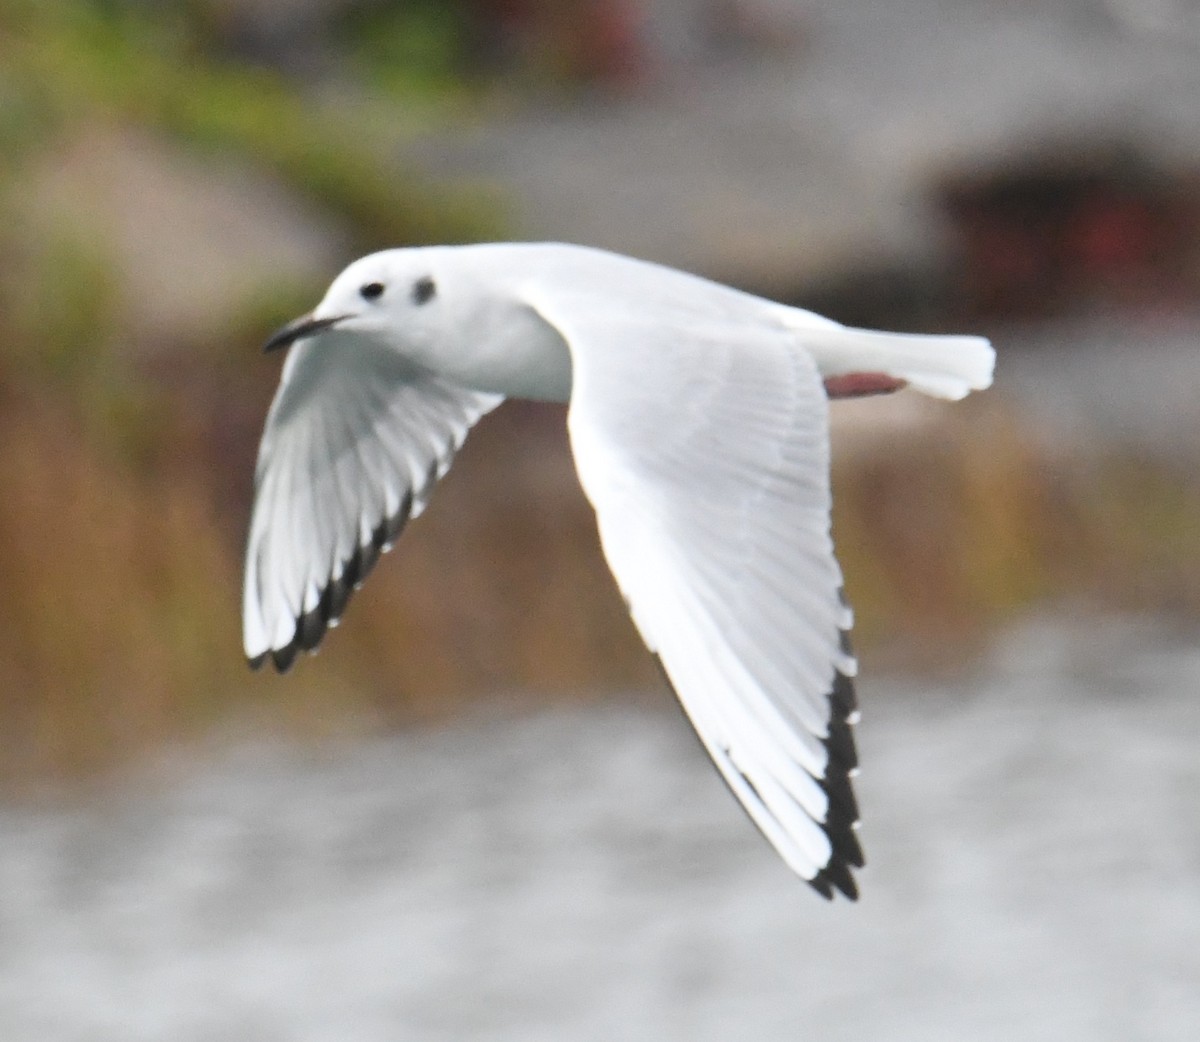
941	366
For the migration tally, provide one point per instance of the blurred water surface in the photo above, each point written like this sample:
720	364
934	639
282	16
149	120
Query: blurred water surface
1032	833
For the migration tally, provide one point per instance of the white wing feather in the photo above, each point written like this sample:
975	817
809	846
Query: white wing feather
704	450
354	442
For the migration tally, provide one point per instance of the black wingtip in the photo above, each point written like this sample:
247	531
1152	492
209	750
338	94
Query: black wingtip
842	814
846	846
821	885
284	657
334	599
835	877
843	698
840	745
846	851
312	626
256	663
399	519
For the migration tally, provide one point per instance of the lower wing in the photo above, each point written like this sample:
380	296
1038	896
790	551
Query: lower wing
354	443
705	454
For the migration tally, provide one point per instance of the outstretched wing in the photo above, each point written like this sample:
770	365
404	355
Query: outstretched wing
703	446
354	442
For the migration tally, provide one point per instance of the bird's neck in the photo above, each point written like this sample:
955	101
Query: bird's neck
517	354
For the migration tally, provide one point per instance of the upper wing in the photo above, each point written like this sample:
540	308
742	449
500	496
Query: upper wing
703	446
354	442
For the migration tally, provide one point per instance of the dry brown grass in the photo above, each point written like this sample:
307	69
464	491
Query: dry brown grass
944	526
126	467
121	568
113	603
127	484
958	519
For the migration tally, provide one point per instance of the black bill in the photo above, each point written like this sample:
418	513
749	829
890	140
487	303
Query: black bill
304	326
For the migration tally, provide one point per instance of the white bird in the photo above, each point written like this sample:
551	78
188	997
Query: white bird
698	418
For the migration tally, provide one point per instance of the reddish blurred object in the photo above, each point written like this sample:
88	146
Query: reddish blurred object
1076	232
589	41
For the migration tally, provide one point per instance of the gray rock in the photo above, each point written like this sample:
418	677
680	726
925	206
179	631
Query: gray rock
192	239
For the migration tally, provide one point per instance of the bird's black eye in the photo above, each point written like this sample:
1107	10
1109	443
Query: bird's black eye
424	290
372	291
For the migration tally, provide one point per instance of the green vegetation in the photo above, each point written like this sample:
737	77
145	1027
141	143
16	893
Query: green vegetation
68	61
418	49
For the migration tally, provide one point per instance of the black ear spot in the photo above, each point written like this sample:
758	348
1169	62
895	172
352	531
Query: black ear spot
424	290
372	291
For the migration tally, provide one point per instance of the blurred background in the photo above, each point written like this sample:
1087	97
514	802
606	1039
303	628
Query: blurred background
477	815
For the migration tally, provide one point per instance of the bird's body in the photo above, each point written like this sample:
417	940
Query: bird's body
699	423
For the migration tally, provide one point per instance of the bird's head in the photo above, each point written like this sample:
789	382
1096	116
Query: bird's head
457	311
393	297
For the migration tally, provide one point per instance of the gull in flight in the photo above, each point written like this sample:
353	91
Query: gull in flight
698	419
